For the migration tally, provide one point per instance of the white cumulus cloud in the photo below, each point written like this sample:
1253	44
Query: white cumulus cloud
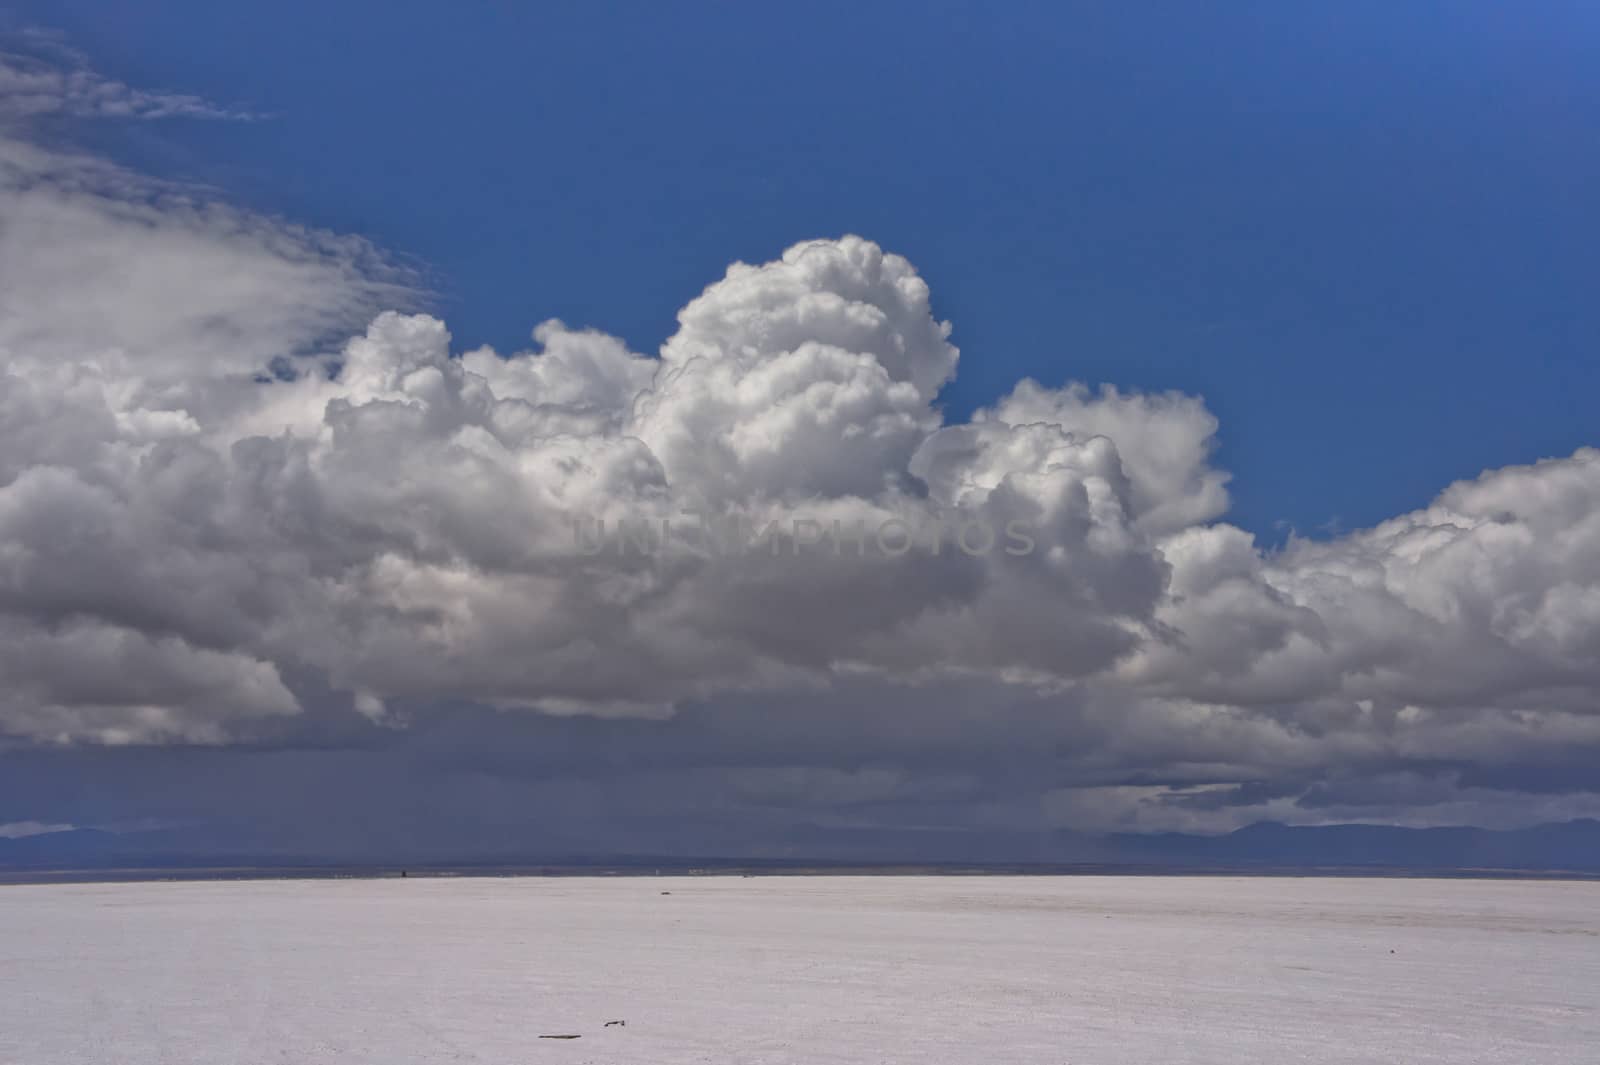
209	508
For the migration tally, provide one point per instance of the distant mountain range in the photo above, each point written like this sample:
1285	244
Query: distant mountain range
1571	847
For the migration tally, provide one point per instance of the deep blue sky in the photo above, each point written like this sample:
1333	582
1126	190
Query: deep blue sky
1366	232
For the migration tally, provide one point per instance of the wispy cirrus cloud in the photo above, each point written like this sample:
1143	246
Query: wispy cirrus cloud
42	75
24	829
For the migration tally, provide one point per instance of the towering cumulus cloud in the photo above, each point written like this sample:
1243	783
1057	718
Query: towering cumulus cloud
221	518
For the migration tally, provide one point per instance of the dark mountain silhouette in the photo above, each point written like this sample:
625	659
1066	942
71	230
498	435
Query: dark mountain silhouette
1571	847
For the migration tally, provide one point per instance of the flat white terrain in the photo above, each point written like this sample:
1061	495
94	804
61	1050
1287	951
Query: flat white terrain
797	969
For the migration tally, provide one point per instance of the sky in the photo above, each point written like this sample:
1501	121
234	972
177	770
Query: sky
319	326
1364	235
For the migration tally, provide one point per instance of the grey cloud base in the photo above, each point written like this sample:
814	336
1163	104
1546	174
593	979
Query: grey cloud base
218	529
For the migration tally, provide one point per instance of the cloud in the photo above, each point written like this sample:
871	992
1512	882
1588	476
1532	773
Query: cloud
241	502
52	78
105	271
24	829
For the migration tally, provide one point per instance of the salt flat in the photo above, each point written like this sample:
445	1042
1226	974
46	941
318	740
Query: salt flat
797	969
